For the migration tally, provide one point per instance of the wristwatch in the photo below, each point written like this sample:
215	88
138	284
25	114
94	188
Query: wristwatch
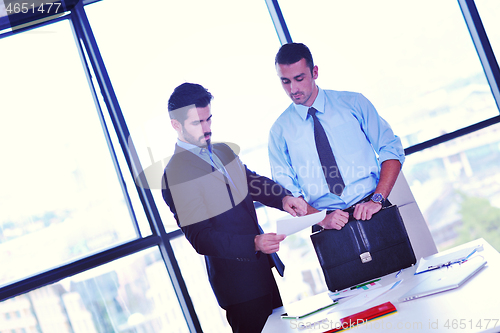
378	198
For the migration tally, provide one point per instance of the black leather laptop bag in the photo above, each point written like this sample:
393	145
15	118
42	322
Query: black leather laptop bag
363	250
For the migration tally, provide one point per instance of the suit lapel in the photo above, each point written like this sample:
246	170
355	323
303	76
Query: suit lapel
247	201
197	162
205	168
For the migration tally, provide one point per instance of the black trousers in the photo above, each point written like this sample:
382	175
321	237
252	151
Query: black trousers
251	316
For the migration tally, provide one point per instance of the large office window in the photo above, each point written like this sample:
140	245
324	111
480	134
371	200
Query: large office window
61	198
426	79
414	60
464	175
130	295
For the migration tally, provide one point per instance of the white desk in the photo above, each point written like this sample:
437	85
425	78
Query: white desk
469	308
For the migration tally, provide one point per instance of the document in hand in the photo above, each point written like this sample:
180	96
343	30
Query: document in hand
290	225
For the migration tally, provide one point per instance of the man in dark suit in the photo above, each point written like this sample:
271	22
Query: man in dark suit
211	194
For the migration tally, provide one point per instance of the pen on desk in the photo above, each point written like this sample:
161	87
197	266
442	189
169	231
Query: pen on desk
364	284
397	274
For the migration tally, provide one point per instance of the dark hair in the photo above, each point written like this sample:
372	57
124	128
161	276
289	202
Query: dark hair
292	52
187	94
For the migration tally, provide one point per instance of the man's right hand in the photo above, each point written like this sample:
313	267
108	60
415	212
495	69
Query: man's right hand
335	220
268	243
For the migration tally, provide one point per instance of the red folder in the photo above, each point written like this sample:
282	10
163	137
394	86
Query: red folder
364	316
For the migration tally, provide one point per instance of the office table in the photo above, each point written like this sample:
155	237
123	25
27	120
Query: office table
473	307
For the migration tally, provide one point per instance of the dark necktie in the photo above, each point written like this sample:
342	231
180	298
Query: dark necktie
330	169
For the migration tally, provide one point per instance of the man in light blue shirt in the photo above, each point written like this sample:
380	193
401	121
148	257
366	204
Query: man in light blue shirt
367	153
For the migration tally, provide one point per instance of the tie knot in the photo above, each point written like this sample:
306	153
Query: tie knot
312	111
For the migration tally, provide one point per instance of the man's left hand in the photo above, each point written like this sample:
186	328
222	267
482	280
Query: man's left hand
295	206
364	211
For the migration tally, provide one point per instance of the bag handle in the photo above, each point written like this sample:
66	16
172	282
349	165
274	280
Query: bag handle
362	243
350	210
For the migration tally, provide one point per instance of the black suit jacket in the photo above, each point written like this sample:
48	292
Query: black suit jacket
217	215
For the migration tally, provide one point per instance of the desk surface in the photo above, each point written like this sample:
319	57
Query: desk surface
474	307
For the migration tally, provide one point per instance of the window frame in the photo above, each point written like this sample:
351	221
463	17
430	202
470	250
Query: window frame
93	63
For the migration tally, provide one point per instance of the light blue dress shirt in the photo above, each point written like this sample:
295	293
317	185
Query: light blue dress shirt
360	139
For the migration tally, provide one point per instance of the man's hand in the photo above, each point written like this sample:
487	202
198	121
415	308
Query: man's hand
268	243
295	206
365	211
335	220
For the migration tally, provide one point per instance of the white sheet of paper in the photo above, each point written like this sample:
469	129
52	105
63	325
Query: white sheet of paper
290	225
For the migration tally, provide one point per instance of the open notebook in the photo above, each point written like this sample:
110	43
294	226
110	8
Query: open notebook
445	278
